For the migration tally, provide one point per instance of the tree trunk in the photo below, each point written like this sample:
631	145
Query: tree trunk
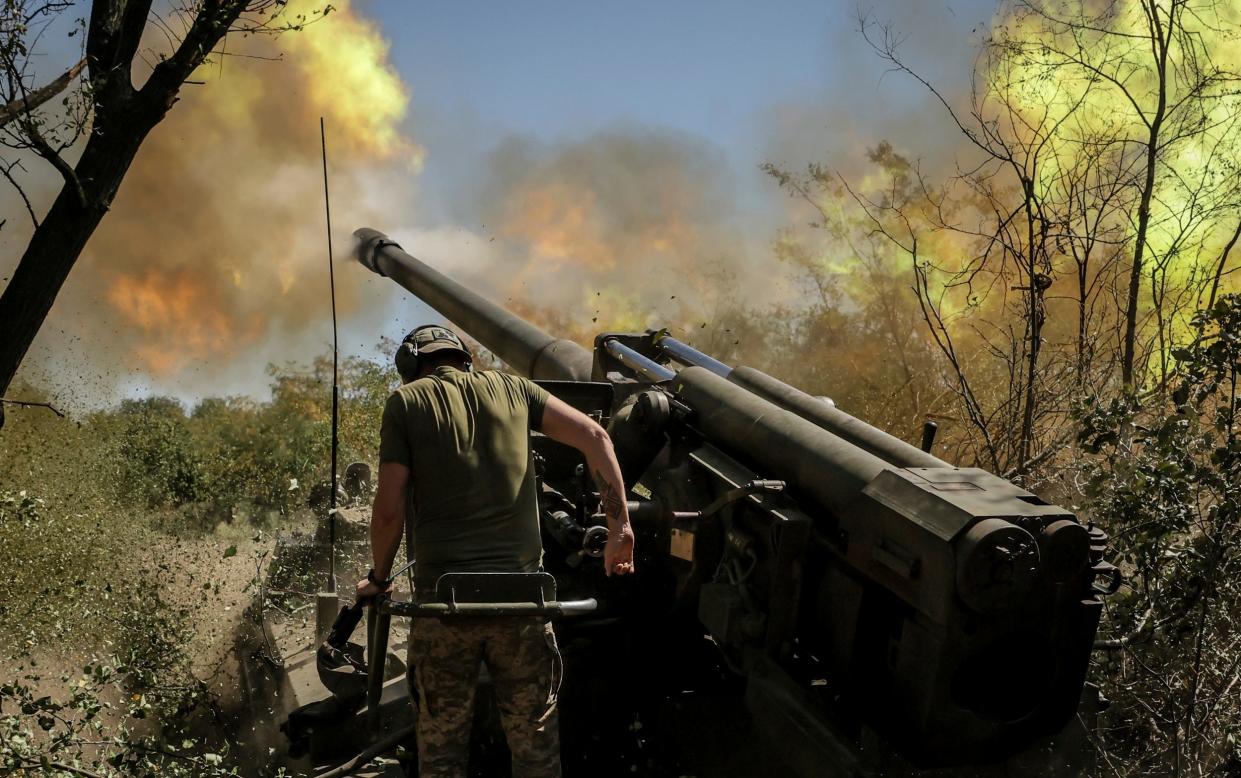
1160	44
1083	289
61	236
1135	273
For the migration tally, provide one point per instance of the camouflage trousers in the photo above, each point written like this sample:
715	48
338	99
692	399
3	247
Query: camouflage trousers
525	668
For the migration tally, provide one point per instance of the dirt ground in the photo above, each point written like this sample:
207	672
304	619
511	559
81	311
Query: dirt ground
212	576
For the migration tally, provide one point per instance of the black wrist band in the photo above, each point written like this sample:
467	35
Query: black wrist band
370	576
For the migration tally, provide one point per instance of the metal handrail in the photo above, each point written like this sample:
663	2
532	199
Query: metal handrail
379	622
551	609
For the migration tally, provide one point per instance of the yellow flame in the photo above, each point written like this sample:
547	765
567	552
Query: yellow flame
1049	93
182	324
342	73
560	223
349	77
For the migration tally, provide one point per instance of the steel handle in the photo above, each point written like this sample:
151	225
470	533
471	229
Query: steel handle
551	609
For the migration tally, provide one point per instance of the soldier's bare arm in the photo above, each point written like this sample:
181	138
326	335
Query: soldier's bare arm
567	425
387	522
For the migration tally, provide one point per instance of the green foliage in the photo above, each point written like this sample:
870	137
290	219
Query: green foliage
857	333
101	722
59	570
228	457
1165	482
134	713
251	452
267	455
158	464
92	511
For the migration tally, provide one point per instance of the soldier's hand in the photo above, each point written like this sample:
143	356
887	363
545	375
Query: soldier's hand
618	553
367	590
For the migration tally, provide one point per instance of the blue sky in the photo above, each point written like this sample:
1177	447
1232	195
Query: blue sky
762	81
788	81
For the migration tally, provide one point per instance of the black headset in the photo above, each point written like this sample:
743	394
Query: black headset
406	356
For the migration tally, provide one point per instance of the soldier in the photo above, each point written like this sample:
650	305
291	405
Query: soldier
459	441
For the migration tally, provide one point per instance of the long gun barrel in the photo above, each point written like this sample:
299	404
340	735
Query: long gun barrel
814	461
853	430
523	347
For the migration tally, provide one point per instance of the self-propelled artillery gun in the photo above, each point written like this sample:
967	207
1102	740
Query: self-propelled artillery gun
866	607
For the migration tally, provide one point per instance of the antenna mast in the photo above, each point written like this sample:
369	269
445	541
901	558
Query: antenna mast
331	582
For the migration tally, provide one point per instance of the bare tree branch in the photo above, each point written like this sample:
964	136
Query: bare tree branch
1223	262
7	172
32	100
29	404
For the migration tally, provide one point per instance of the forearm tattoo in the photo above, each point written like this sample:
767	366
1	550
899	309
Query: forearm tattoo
609	501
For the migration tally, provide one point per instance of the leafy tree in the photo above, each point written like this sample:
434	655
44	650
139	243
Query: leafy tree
1165	482
1161	69
18	97
159	465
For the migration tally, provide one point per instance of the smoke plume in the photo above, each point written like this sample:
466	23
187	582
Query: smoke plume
623	229
215	245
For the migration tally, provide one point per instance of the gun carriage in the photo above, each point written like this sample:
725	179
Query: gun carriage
871	598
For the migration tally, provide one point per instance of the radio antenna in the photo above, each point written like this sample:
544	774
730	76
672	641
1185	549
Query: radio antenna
331	274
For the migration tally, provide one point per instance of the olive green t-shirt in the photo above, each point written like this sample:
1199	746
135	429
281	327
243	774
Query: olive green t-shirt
465	439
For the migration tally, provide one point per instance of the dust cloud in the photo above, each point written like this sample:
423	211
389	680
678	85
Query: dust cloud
621	229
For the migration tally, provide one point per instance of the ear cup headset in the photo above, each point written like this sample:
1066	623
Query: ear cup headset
427	339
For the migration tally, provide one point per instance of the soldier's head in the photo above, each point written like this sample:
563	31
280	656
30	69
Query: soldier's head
428	347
